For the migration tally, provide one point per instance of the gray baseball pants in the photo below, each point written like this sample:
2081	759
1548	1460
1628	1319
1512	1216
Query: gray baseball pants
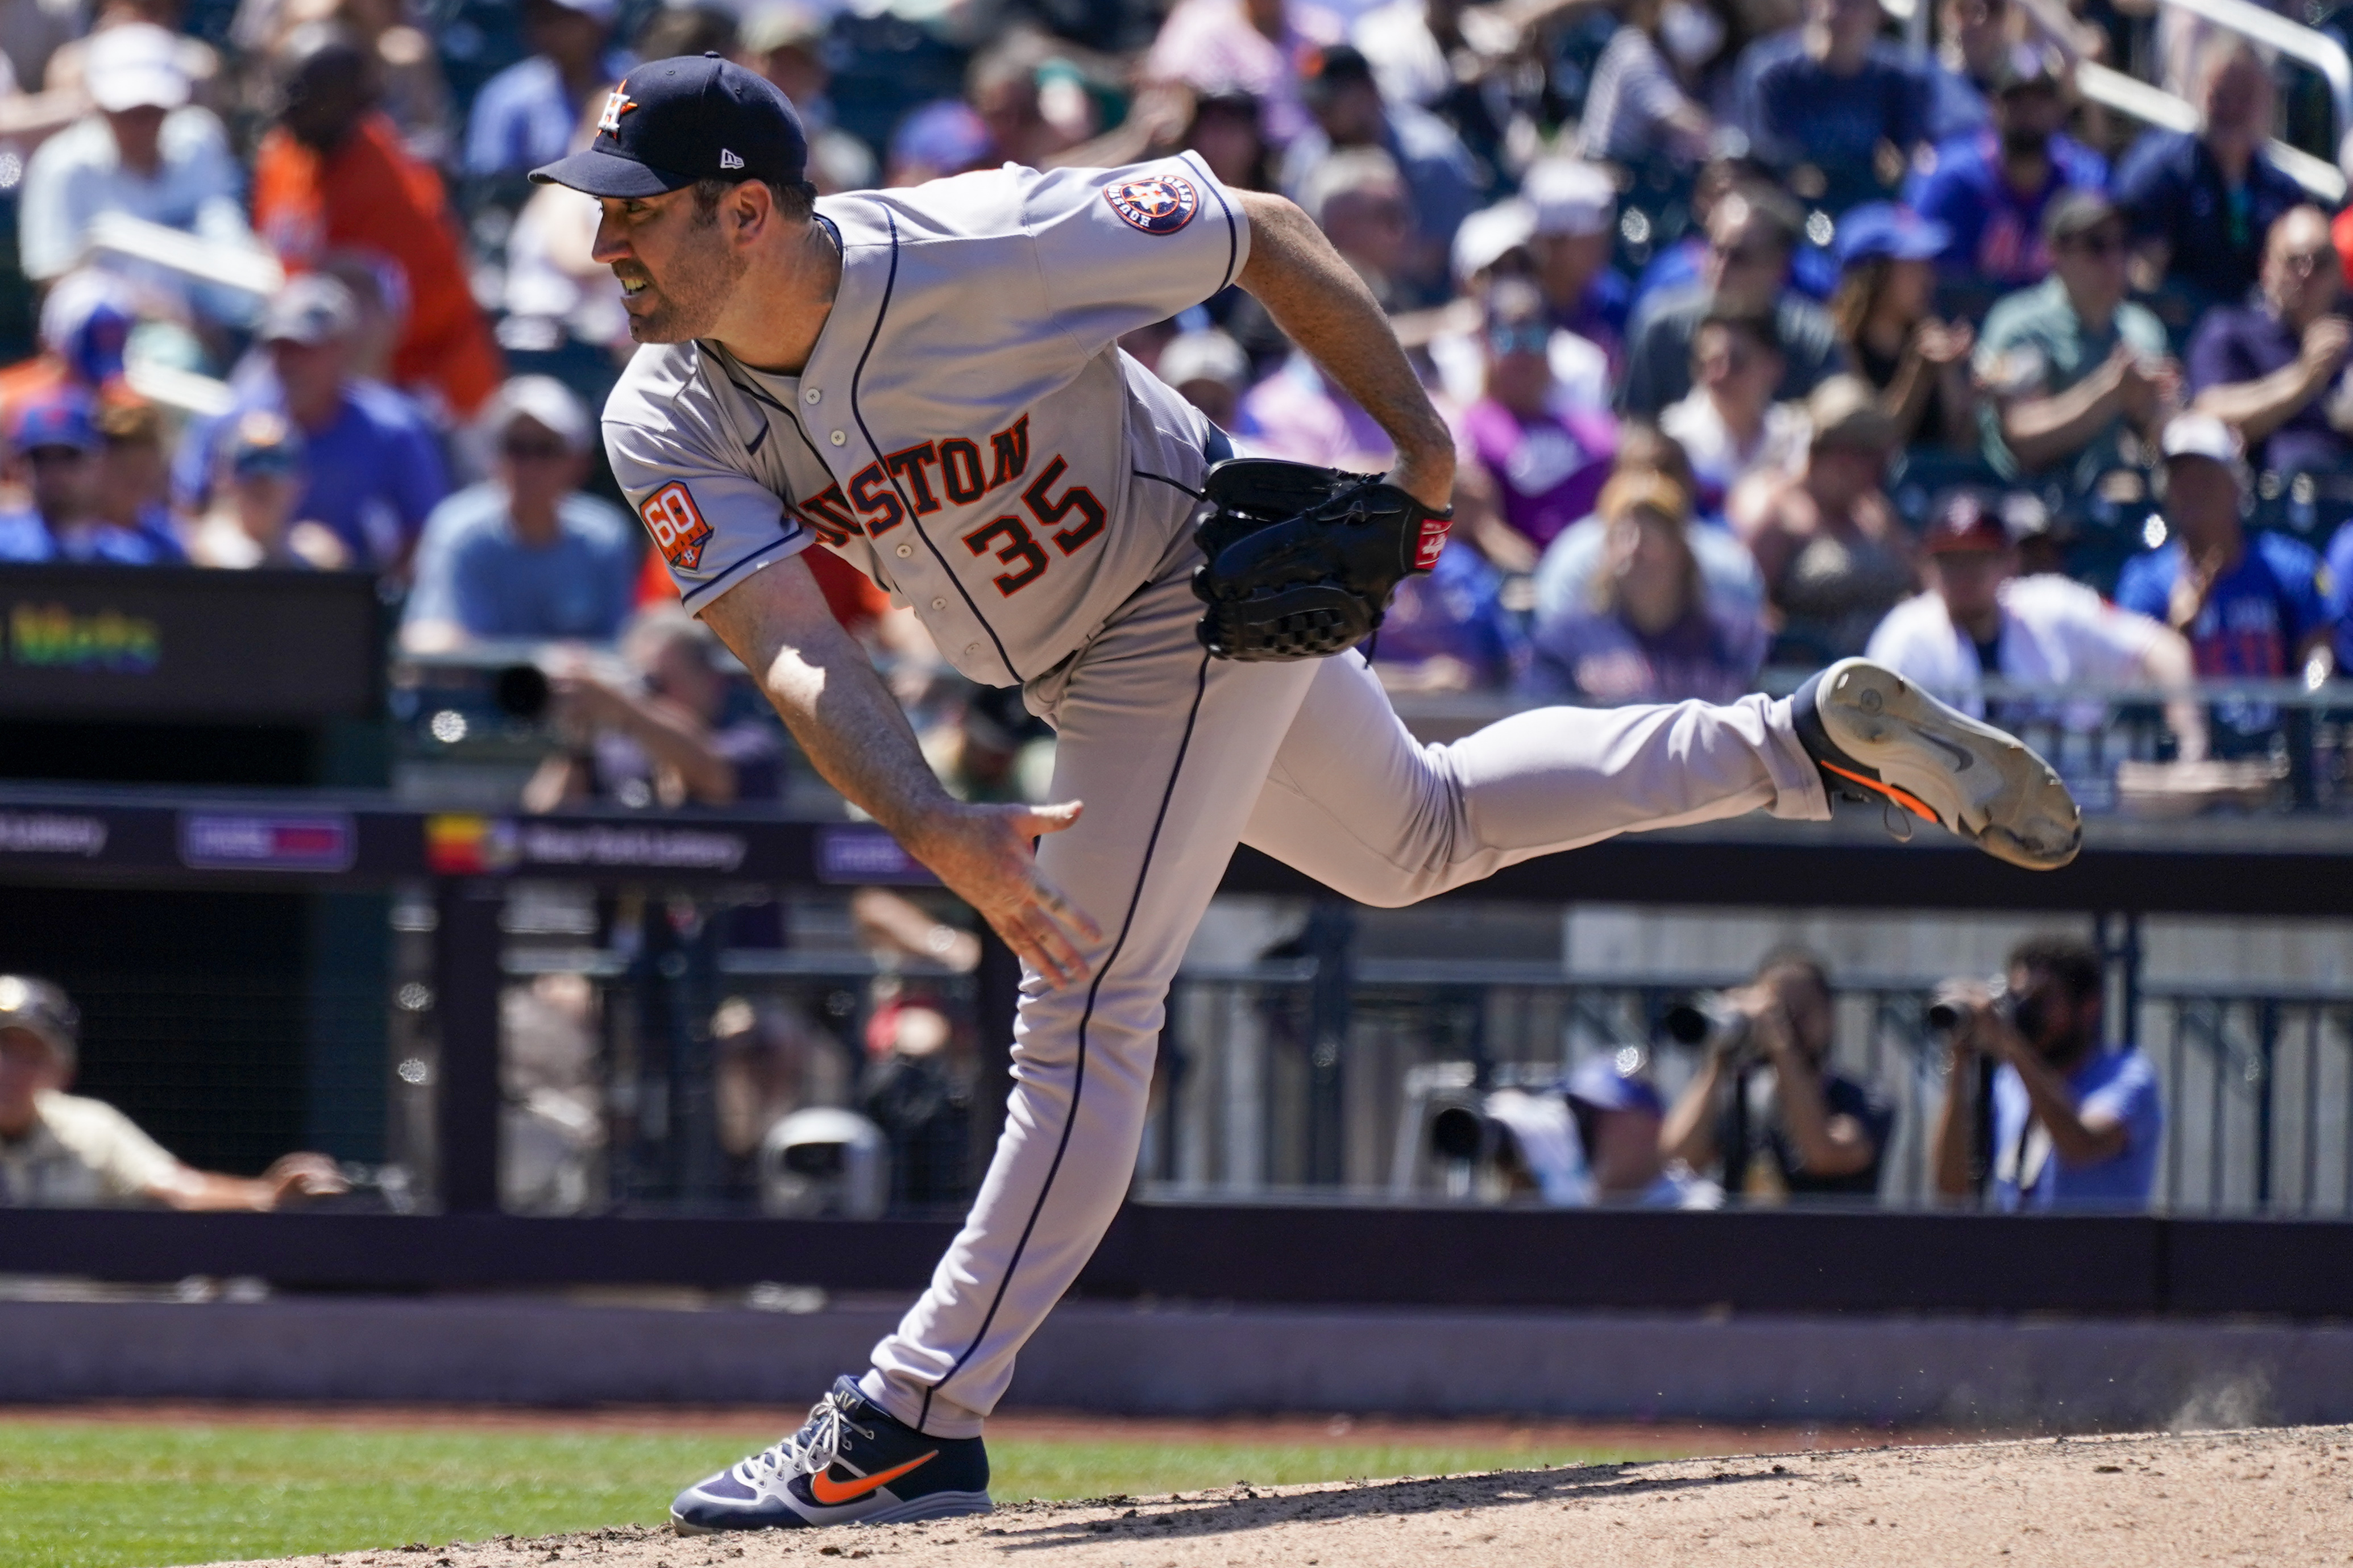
1178	757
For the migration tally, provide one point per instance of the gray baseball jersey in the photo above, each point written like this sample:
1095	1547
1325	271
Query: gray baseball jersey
966	431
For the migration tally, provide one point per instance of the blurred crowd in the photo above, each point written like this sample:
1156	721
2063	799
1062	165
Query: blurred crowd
1767	337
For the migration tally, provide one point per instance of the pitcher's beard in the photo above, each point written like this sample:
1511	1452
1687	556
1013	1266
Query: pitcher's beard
691	306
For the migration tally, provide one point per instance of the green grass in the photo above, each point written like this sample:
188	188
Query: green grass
102	1494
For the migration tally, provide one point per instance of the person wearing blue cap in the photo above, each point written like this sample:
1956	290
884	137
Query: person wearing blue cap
1919	363
1618	1113
1989	188
54	444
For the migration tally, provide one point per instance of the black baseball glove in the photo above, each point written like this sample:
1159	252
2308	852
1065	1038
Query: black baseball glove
1302	560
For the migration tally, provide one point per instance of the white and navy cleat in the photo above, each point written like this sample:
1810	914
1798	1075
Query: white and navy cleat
1879	738
852	1463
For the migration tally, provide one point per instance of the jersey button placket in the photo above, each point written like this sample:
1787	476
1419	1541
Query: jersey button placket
840	439
904	550
810	394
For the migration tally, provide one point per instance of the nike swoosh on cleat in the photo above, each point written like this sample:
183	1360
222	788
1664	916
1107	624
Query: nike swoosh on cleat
833	1493
1962	758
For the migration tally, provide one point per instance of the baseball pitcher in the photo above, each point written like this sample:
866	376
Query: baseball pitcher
927	383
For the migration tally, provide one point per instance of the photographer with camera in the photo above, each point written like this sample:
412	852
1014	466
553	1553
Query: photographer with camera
2072	1124
1765	1113
658	733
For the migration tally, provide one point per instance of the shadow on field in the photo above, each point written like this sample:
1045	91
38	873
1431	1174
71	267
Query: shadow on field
1230	1509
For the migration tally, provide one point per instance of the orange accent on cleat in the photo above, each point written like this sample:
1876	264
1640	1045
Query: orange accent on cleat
1908	802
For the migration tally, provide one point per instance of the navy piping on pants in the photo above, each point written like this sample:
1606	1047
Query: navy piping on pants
1078	1074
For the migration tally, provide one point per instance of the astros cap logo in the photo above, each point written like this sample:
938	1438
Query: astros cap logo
616	103
1159	203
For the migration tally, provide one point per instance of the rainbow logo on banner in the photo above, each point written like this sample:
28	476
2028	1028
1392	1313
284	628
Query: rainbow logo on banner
51	636
462	845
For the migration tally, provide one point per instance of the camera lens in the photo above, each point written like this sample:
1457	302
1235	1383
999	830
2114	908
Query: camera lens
521	691
1456	1133
1684	1024
1942	1016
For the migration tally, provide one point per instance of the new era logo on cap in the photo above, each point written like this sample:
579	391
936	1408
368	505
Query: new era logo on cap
674	121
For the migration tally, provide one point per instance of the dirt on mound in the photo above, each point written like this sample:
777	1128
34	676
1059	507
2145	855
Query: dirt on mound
2280	1497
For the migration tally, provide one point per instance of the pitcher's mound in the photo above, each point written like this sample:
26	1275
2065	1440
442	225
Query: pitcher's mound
2265	1497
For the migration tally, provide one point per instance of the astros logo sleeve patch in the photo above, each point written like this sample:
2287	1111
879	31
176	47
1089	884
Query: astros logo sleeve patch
1160	204
677	528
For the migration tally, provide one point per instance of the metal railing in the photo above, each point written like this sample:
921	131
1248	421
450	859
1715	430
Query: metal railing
2257	1086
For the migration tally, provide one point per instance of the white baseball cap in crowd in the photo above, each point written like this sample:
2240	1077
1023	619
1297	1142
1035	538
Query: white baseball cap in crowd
1568	195
546	400
1488	235
2200	436
135	66
1205	356
603	11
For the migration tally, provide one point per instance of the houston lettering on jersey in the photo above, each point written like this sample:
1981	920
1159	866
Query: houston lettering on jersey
951	472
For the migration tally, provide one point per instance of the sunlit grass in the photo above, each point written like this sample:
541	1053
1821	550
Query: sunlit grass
114	1494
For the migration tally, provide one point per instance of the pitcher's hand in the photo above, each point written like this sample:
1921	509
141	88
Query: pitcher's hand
982	853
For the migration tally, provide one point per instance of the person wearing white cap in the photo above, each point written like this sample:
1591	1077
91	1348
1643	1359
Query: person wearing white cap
1573	226
145	151
525	116
1209	371
2254	607
525	554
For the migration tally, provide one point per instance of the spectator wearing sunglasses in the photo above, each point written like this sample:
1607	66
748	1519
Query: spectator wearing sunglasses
2071	367
1529	466
524	554
1752	238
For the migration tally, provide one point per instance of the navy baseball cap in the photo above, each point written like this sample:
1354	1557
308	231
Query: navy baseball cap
62	416
674	121
1604	1084
1882	228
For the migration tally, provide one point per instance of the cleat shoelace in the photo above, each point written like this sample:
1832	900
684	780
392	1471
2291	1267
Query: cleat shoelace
813	1449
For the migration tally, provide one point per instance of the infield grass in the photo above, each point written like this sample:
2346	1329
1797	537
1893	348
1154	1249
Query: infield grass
109	1494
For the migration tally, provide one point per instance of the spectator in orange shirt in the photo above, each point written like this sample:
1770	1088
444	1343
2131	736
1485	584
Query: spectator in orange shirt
334	176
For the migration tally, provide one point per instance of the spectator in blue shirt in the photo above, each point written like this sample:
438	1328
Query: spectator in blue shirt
2341	594
525	115
1831	96
1447	631
1439	173
375	470
2201	204
2274	369
1990	187
525	554
54	439
2076	1124
2253	609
